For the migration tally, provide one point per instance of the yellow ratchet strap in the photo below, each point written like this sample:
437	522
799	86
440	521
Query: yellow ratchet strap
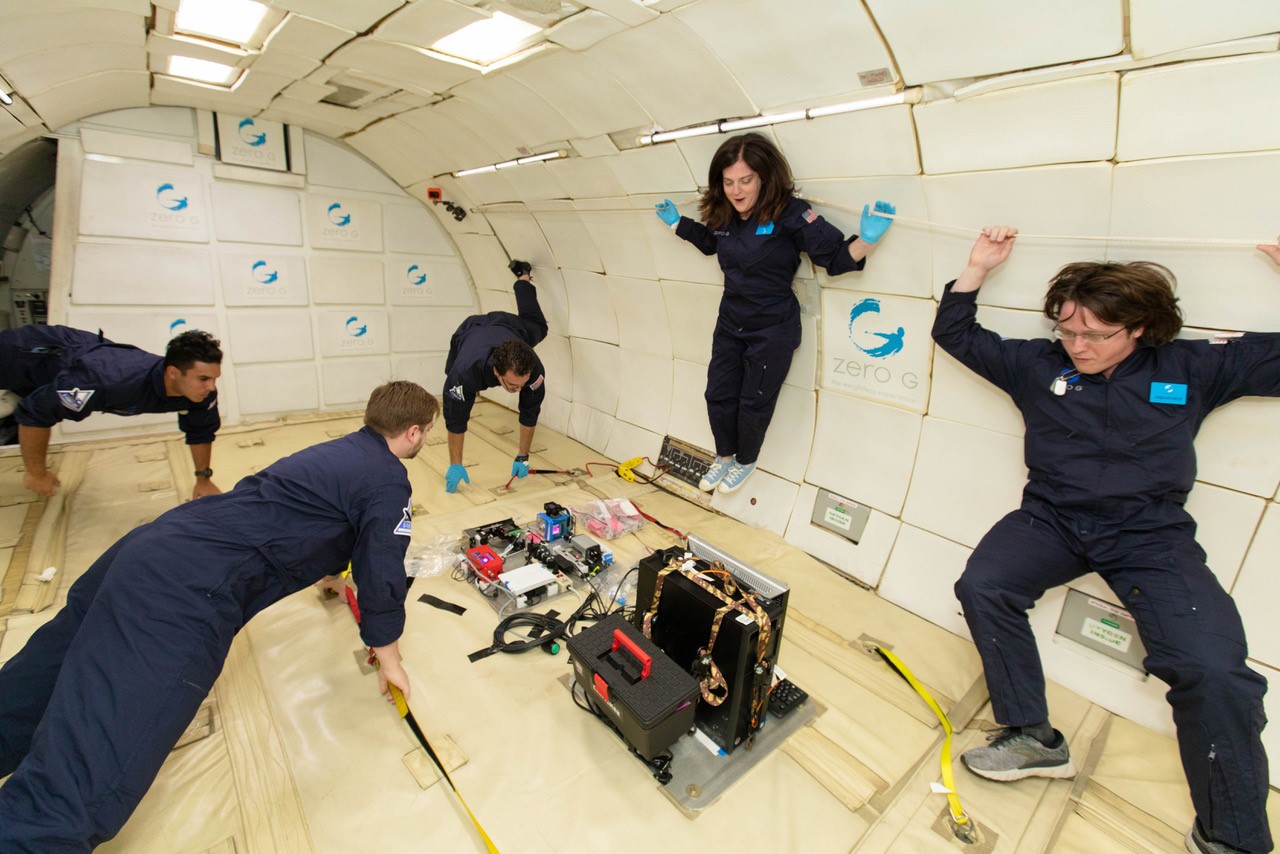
958	814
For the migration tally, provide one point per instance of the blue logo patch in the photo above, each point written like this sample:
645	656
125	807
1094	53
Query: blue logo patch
405	528
415	275
247	135
337	217
893	341
1175	393
176	326
169	199
767	228
263	273
354	330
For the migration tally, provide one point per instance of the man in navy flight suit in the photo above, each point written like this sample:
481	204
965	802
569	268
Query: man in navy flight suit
92	705
1111	410
61	373
496	349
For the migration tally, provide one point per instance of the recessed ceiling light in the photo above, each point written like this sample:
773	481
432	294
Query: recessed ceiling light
487	40
202	70
233	21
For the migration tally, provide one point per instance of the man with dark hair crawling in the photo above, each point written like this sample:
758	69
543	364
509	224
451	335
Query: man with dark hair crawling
95	700
1111	410
55	373
496	349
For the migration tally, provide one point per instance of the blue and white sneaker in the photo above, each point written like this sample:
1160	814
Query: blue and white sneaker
737	474
715	474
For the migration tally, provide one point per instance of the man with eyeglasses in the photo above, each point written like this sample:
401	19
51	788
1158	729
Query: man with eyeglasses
1111	410
495	349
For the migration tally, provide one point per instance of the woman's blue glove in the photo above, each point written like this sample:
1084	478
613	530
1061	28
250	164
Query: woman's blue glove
519	467
667	212
456	474
873	227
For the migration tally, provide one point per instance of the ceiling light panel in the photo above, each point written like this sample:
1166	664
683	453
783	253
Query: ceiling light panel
357	17
202	70
425	22
234	21
489	40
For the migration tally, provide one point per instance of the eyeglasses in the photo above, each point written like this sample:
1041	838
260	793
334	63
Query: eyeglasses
1089	337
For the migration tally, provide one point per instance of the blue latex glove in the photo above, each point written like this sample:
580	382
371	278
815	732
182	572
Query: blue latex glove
667	212
873	227
519	468
456	474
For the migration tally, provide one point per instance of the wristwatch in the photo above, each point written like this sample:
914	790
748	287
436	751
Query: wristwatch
522	458
204	472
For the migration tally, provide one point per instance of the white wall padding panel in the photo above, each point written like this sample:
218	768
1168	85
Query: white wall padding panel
653	169
1066	121
151	202
277	388
426	280
495	301
1222	94
934	41
869	142
397	148
596	369
335	221
863	450
568	238
129	145
552	297
247	214
425	329
1238	446
803	372
522	106
641	315
268	336
353	332
486	260
1161	26
877	347
410	228
425	370
140	274
864	560
628	440
84	96
787	444
330	164
586	177
1080	197
676	259
557	361
555	414
349	381
965	480
1225	523
689	406
148	330
921	574
341	278
590	426
520	236
534	182
773	51
591	313
662	88
1257	587
764	501
645	382
1221	288
899	263
624	240
691	311
582	90
958	394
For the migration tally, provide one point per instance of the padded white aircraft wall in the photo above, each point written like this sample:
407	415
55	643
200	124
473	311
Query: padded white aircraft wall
321	282
1103	118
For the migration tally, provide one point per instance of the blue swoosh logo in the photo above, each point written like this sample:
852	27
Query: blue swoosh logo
361	330
341	219
254	140
893	341
169	203
418	279
267	279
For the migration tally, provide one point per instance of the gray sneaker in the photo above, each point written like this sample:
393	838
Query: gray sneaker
1013	755
1198	844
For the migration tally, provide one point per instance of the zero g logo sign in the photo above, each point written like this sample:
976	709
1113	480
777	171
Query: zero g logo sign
265	280
355	334
175	207
341	224
415	275
877	345
264	274
250	135
355	328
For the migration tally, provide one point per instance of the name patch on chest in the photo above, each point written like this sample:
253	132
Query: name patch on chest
1172	393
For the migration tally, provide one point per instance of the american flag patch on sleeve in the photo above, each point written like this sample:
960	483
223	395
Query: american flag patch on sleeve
809	215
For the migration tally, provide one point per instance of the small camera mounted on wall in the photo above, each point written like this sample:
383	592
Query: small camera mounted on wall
436	197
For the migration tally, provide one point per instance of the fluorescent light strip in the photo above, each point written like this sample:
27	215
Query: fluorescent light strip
906	96
507	164
5	99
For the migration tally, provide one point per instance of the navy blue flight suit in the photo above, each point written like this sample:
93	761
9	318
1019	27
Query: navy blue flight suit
1111	462
469	367
67	374
91	706
758	328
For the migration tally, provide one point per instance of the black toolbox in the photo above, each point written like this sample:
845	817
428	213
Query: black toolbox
647	696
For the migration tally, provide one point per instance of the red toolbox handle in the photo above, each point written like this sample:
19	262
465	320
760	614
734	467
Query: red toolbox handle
620	639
